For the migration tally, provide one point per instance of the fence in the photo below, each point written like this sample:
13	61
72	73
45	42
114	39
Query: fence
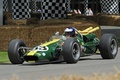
21	9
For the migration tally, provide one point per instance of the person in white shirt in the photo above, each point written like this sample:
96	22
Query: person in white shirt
79	11
90	12
87	12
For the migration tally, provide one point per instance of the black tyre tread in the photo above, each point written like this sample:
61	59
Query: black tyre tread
67	50
12	51
105	46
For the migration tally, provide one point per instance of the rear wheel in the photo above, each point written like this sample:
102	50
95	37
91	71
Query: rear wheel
71	50
108	46
15	56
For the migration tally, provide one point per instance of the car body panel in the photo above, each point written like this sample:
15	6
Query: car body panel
52	49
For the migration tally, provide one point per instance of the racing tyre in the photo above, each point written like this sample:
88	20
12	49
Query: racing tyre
71	50
108	46
15	56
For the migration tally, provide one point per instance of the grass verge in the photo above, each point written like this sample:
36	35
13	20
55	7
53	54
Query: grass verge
3	57
119	42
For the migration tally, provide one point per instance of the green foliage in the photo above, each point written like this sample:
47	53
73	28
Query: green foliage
119	42
4	57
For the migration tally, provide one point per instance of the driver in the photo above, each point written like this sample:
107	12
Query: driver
69	32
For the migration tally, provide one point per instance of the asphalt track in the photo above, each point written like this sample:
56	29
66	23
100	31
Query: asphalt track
86	66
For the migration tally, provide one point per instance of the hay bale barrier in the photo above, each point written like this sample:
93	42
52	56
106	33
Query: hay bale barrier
35	34
101	19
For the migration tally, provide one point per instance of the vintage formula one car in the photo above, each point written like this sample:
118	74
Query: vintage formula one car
69	46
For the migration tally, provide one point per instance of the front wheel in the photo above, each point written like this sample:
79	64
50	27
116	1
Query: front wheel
15	56
71	50
108	46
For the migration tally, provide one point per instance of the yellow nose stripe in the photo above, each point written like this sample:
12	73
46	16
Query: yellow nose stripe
48	43
31	53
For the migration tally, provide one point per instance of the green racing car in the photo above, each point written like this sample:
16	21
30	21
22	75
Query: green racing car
69	46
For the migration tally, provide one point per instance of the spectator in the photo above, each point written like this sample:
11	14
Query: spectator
90	12
87	12
79	12
75	11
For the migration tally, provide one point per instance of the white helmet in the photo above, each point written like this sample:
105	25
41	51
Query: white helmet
70	31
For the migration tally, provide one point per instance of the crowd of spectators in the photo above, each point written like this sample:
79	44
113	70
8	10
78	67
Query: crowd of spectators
88	12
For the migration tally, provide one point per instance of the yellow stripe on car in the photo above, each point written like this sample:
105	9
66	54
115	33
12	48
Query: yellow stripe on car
31	53
50	42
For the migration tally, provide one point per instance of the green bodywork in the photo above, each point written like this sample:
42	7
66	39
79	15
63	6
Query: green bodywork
52	49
